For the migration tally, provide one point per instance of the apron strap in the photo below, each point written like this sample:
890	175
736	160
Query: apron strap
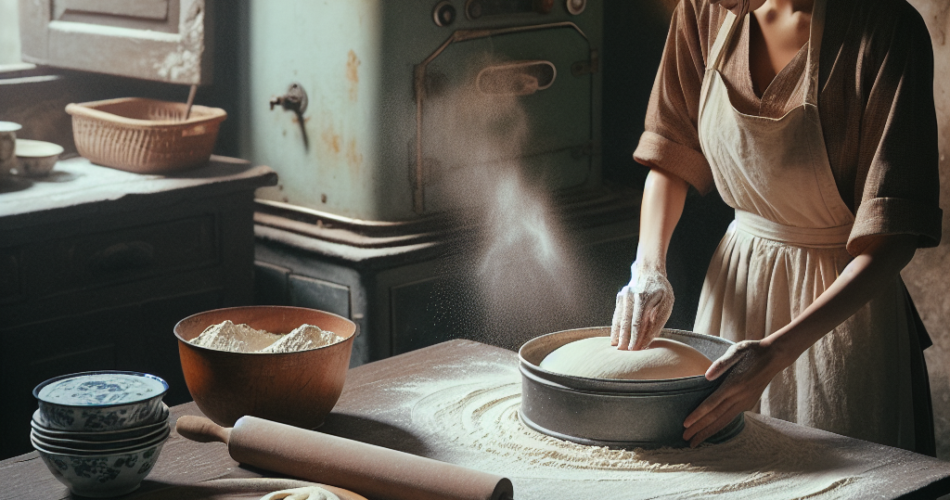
814	50
714	60
730	25
718	50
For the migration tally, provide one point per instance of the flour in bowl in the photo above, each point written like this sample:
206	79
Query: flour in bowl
228	336
302	338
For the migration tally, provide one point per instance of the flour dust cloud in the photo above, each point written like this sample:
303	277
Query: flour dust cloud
519	262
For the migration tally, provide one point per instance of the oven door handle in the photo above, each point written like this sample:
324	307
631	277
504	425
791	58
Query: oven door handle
516	78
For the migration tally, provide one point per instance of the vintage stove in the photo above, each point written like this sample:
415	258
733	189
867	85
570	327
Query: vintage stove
357	105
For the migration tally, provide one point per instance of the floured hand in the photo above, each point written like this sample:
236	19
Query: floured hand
643	307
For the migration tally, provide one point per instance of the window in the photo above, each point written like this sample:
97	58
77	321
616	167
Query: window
9	33
158	40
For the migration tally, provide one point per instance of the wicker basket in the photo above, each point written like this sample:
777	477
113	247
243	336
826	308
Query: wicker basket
144	135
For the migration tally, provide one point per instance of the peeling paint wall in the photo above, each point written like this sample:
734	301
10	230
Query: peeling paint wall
928	275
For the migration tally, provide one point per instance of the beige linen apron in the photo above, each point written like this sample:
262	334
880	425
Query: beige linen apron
785	247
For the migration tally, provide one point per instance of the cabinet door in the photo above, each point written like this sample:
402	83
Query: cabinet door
161	40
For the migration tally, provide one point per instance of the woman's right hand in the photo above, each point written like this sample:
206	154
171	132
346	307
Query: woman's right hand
643	307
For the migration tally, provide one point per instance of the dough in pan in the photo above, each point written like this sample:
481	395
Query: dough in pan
595	358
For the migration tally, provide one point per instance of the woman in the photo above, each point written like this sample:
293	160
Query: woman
814	119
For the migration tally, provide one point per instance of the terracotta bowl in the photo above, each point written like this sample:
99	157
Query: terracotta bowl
295	388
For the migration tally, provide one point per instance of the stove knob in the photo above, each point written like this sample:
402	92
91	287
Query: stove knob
473	9
575	7
543	6
444	13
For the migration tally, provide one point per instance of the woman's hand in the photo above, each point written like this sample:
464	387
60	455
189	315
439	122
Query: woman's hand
754	363
643	307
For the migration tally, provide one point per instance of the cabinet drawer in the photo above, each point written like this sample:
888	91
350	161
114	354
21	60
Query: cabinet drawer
100	259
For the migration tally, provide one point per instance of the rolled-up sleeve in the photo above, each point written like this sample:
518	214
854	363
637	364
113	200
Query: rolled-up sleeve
901	189
670	141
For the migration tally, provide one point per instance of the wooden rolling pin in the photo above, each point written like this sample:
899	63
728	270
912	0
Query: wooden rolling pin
373	471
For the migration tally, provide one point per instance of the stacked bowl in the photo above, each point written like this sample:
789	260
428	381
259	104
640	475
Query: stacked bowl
100	433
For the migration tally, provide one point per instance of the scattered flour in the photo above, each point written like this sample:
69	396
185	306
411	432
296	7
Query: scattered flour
227	336
471	419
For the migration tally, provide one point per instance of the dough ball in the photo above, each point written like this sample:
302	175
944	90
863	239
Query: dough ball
595	358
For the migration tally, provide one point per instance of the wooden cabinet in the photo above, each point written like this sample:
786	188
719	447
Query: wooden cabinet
97	266
161	40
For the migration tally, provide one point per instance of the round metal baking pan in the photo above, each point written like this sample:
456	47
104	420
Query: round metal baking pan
616	413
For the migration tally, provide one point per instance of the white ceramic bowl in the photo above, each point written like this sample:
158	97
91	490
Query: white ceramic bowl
101	475
101	401
36	158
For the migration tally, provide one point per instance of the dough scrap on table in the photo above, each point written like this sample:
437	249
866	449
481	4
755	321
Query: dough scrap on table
594	357
305	493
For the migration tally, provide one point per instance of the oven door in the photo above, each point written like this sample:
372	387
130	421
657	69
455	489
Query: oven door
513	103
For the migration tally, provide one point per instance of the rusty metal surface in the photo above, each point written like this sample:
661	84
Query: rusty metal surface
355	150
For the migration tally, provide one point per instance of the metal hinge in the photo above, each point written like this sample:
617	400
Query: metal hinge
581	68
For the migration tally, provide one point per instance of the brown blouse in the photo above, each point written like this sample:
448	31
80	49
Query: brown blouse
876	107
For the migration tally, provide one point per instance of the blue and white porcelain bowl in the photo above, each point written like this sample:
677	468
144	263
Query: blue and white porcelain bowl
100	401
96	436
88	446
82	450
104	474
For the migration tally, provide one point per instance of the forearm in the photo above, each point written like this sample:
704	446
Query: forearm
664	195
866	276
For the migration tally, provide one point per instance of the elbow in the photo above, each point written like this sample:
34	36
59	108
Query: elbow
894	251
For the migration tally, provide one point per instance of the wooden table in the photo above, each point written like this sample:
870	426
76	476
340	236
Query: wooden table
391	402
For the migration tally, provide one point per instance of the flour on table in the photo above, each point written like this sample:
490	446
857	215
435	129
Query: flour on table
468	415
228	336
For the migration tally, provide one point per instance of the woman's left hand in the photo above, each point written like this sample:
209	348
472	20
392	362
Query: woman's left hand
754	363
